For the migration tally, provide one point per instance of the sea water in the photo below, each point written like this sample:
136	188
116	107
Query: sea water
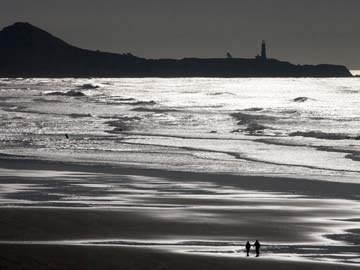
292	127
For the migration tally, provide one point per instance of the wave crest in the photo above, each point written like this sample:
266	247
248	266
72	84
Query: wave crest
71	93
324	135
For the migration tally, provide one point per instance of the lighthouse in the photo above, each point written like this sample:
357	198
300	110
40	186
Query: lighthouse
263	50
263	55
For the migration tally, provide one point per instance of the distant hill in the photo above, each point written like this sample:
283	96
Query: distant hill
28	51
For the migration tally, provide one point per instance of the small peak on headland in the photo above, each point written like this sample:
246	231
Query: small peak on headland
28	36
21	26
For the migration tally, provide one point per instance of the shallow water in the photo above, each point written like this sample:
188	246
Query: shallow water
294	127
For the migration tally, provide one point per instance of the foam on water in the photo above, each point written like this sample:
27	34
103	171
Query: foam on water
296	127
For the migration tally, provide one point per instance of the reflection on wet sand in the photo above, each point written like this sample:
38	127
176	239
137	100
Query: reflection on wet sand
196	216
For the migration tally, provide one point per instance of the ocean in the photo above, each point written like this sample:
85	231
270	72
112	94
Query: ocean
292	127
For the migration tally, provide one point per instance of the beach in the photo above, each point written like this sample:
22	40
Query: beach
63	257
179	173
121	217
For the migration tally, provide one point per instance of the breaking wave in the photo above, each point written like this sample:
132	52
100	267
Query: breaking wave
88	86
251	122
300	99
155	110
71	93
80	115
245	118
122	124
324	135
221	93
255	109
354	156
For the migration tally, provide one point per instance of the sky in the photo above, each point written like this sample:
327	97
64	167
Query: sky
299	31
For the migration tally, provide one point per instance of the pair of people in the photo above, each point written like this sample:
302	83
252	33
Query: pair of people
256	245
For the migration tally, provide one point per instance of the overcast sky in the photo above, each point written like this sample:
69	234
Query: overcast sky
300	31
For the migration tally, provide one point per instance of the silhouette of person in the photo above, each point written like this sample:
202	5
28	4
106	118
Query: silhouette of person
66	136
247	246
257	248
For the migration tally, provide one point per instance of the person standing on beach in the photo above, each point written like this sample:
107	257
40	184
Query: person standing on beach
247	247
257	248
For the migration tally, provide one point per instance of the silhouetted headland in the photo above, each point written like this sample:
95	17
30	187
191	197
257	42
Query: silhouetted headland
27	51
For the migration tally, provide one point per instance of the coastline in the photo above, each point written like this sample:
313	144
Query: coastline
81	63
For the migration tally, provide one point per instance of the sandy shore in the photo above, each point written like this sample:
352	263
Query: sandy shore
72	216
62	257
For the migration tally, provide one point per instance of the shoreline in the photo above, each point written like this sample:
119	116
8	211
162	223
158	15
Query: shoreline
292	185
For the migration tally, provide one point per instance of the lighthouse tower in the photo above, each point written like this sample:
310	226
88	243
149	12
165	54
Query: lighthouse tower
263	50
262	56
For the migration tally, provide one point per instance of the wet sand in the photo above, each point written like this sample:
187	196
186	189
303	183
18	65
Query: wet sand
16	257
74	216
